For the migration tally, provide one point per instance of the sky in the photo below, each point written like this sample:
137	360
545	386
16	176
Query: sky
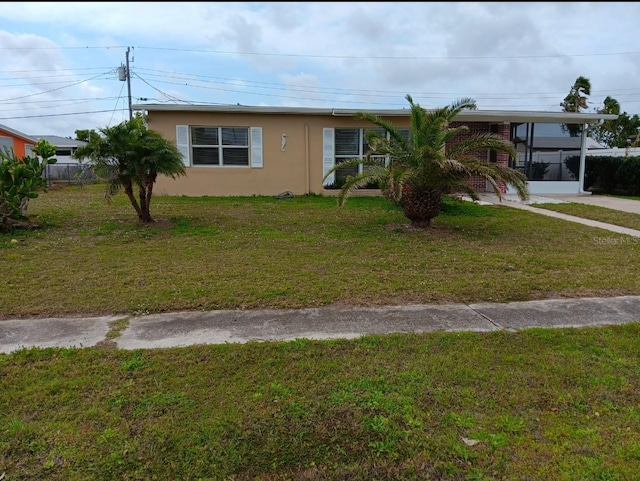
60	60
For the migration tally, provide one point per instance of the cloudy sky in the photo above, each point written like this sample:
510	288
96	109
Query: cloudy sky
59	68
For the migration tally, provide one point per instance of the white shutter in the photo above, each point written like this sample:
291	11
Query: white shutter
182	142
256	147
29	150
328	157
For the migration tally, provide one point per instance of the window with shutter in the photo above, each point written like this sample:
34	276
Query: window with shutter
182	142
328	159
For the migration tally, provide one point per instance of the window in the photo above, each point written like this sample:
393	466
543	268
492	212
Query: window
221	146
350	144
6	143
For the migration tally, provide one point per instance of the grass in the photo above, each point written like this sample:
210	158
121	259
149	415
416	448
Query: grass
260	252
553	404
593	212
537	404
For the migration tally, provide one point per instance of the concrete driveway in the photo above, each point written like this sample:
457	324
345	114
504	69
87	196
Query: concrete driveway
616	203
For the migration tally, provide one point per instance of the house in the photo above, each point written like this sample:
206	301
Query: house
247	150
21	143
67	168
65	147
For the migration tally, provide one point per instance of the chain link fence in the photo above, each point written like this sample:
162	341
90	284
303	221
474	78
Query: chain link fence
70	173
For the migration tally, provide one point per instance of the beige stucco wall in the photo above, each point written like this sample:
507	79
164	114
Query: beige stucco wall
298	169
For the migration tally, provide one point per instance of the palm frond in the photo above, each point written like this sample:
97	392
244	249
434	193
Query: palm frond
354	182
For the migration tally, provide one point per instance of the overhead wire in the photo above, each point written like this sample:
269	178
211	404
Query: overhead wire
270	89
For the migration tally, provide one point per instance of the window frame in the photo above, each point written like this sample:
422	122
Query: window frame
362	140
220	146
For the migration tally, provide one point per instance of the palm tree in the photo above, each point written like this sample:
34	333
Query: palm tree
434	161
130	156
576	99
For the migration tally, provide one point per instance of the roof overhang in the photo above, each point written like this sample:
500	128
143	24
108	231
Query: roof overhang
496	116
16	133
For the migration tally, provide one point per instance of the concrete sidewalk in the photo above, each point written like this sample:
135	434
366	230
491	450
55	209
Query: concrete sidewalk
178	329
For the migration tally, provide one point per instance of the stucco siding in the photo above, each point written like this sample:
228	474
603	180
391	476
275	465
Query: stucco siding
297	169
19	145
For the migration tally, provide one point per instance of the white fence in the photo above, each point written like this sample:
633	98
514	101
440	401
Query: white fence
616	152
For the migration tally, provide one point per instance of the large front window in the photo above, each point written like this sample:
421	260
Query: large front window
547	151
220	146
352	144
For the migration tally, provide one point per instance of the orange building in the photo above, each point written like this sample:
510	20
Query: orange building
22	144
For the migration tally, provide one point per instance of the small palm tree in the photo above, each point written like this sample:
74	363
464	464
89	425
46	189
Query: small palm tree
434	161
130	156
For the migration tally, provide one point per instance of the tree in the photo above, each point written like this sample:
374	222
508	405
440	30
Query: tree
130	156
435	160
20	181
575	101
615	133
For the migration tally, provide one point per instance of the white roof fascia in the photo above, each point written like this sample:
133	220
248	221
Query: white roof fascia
513	116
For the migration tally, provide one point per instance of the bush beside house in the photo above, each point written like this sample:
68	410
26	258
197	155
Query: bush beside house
608	175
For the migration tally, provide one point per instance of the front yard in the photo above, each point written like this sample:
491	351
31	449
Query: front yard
258	252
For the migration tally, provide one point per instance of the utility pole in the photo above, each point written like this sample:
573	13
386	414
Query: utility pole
124	73
129	85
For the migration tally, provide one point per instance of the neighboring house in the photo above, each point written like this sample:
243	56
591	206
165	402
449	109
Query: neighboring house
21	143
242	150
65	147
66	167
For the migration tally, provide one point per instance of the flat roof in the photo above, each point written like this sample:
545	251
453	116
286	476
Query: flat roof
512	116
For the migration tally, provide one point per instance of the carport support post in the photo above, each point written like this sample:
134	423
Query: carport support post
583	156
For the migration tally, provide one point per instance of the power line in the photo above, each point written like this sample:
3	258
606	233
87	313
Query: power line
107	47
55	70
56	89
390	57
116	105
377	93
61	103
57	115
97	99
310	55
170	97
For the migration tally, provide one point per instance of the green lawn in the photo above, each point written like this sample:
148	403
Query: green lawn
594	212
531	405
261	252
552	404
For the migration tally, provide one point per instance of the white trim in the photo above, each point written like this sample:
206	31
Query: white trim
328	157
464	116
256	160
182	142
583	153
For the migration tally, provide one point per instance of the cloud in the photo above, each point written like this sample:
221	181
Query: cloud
506	55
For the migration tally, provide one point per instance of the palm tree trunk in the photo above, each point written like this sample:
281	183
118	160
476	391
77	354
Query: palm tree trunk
420	206
145	205
128	189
